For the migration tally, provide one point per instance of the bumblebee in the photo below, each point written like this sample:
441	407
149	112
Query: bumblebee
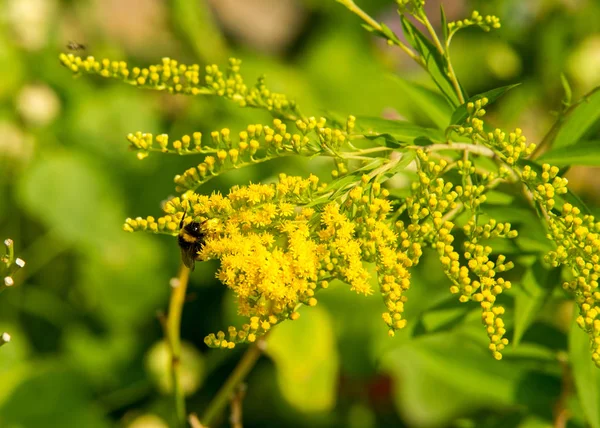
191	240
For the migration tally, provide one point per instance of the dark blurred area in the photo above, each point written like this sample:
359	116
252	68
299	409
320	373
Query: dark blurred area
86	348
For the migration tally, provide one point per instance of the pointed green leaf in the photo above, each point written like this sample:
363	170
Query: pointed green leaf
578	120
396	133
536	287
585	374
434	61
460	114
567	88
584	153
427	102
444	22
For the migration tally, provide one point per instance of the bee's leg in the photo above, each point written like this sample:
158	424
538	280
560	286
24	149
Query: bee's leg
181	222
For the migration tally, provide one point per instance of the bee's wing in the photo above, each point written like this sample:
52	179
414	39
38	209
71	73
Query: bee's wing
188	259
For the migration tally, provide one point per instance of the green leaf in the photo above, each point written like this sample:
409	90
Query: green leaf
536	287
195	23
434	61
585	374
441	376
426	102
578	120
306	360
444	22
567	88
460	114
53	397
583	153
397	133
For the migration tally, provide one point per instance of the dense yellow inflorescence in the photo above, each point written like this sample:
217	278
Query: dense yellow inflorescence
169	75
577	239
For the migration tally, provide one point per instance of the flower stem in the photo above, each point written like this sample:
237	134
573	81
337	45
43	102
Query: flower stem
238	375
173	332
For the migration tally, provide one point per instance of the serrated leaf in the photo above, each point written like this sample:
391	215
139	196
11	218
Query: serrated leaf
434	61
578	120
585	374
306	361
427	102
460	114
536	287
396	133
584	153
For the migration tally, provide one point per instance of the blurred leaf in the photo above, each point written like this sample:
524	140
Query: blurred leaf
578	120
306	359
567	88
69	195
54	398
460	114
397	133
427	102
586	375
434	61
438	377
158	365
584	153
193	19
536	286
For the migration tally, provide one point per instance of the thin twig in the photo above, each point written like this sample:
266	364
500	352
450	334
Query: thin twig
216	406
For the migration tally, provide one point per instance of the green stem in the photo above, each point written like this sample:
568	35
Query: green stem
240	372
352	7
173	332
451	74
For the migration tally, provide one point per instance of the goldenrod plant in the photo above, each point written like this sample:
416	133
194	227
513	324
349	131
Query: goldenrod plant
280	245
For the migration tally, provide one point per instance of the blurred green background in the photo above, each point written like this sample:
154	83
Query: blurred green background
83	314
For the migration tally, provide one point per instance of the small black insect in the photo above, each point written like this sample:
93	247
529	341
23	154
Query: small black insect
74	46
191	240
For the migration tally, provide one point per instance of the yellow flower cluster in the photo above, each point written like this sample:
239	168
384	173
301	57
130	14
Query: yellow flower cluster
178	78
432	199
510	148
577	239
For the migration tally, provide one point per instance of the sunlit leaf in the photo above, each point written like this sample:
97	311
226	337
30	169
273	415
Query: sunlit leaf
426	102
578	120
397	133
434	61
306	359
460	114
583	153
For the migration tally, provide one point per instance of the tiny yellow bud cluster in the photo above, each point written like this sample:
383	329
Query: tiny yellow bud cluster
577	239
509	148
185	79
9	265
144	143
257	143
486	23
